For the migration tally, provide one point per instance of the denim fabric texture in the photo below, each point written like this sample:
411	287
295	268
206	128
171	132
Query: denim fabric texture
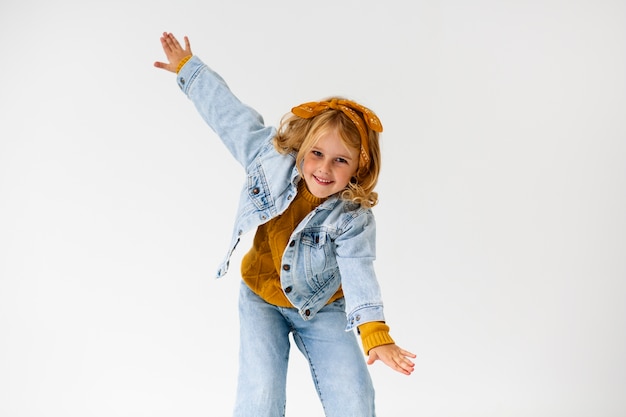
334	245
337	367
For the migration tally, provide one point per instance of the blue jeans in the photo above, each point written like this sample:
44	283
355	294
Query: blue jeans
337	365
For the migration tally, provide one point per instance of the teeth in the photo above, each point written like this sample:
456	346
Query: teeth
321	180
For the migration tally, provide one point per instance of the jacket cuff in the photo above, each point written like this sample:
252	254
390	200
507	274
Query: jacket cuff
365	314
188	72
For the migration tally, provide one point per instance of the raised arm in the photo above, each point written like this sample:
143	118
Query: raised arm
239	127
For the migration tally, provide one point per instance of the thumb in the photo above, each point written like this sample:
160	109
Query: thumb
164	66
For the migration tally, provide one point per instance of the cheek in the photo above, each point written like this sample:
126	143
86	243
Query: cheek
351	171
307	165
344	175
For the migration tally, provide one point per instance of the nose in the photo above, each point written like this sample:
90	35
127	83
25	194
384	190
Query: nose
325	166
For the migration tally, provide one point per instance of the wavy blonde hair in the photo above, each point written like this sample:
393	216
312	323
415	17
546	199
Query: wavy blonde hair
298	135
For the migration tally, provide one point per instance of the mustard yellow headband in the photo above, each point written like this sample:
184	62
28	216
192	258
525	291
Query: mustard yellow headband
349	108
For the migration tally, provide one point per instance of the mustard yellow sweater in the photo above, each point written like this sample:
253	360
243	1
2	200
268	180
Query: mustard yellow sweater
261	265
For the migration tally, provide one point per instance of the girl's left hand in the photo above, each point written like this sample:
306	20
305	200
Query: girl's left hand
394	357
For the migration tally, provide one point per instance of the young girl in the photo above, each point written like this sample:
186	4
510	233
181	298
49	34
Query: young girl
309	192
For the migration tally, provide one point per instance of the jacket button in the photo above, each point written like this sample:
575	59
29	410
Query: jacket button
358	317
307	312
255	191
286	267
292	243
288	290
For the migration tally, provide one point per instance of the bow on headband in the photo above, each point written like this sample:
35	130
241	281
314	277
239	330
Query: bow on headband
349	108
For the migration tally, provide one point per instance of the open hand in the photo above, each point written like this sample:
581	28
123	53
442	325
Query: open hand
394	357
173	51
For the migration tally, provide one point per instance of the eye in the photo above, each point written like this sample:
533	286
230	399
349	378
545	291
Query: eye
341	160
316	153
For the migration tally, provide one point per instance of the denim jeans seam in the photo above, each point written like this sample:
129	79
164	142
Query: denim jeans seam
312	367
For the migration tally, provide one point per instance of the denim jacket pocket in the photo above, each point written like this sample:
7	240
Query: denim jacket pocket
319	258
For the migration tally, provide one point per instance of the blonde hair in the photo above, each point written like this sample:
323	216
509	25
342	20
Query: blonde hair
299	135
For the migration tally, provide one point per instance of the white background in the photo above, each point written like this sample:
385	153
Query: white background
502	227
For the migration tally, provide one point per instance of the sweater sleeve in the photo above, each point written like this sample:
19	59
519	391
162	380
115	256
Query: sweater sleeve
182	63
374	334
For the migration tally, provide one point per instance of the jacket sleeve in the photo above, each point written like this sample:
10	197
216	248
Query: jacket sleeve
356	251
239	126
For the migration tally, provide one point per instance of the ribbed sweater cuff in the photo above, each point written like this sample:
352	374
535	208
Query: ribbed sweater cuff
182	63
374	334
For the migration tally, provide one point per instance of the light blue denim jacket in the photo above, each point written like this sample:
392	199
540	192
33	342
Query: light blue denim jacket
334	245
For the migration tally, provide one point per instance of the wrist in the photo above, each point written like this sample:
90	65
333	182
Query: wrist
182	63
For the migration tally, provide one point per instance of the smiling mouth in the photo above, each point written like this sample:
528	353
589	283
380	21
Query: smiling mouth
322	181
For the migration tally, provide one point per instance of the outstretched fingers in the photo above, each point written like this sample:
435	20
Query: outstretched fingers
394	357
405	365
169	42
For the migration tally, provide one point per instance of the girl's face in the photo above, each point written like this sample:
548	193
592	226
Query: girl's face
329	165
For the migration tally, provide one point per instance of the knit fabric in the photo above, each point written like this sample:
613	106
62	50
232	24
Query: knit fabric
260	267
